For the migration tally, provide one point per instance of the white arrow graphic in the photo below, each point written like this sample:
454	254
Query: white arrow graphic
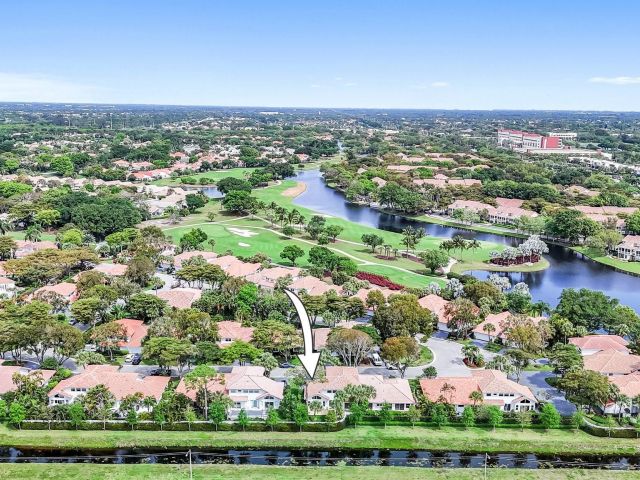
310	357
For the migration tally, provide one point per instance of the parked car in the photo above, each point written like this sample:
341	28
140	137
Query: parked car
128	358
376	360
157	372
90	347
136	359
286	365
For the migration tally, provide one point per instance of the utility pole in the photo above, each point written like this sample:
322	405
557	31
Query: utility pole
486	457
191	467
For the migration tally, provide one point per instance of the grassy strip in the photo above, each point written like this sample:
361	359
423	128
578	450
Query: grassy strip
255	472
364	437
214	175
596	256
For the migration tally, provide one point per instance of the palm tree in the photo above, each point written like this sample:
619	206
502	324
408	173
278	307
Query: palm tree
489	328
212	242
387	250
476	397
33	233
6	225
474	245
447	388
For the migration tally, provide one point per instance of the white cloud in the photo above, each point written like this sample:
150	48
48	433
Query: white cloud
616	80
29	87
439	84
350	84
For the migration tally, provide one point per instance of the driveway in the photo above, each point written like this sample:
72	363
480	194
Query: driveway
447	357
541	389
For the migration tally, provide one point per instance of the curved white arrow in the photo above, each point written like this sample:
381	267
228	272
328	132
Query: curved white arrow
310	357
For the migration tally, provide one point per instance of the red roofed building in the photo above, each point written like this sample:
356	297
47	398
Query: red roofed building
25	247
247	387
120	384
8	371
494	385
230	332
590	344
519	139
65	289
180	297
136	331
436	305
178	260
612	362
628	385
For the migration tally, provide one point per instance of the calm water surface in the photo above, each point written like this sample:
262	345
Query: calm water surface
567	269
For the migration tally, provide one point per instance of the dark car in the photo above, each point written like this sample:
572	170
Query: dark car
136	359
286	365
157	372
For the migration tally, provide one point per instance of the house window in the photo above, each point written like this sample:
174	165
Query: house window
237	405
399	406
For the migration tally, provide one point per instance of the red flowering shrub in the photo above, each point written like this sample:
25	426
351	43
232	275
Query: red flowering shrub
378	280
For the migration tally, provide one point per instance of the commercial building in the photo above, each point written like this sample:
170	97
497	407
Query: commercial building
519	139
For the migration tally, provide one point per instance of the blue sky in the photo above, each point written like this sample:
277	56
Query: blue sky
374	54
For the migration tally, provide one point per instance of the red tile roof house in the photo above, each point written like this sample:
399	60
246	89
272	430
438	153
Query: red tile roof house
436	305
612	362
268	277
68	290
25	247
179	259
7	372
120	384
136	331
180	297
494	385
628	385
111	269
395	391
313	286
230	332
590	344
248	388
498	321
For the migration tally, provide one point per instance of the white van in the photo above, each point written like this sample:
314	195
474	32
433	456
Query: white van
376	360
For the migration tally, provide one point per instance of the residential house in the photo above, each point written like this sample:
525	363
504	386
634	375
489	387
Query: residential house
248	389
230	332
180	297
268	277
313	286
394	391
25	247
436	305
628	385
179	259
495	387
8	371
629	248
111	269
591	344
67	290
497	320
320	337
136	331
612	362
119	383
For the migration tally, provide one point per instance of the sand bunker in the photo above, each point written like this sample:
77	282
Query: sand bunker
241	232
295	191
243	244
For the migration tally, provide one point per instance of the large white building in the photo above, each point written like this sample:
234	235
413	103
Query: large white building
519	139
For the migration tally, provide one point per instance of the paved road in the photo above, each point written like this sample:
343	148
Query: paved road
536	382
447	357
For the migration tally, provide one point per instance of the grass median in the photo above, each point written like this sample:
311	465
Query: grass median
455	439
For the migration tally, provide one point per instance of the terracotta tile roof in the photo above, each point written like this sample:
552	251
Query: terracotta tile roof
509	202
498	320
320	337
242	269
436	305
313	285
119	383
111	269
179	259
7	372
391	390
629	385
231	331
241	378
609	362
600	342
136	331
180	297
65	289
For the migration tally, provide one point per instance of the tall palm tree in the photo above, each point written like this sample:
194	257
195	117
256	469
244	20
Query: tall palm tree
33	233
447	388
6	225
476	397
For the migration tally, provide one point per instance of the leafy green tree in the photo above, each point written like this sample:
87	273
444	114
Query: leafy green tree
243	419
146	307
495	416
403	317
577	419
267	361
524	418
273	419
439	414
17	414
193	239
190	416
434	259
219	408
468	417
384	414
292	253
372	240
195	201
300	415
400	352
239	202
549	416
76	415
168	352
200	380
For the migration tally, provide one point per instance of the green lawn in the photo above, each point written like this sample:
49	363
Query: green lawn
631	267
254	472
213	174
426	357
363	437
19	235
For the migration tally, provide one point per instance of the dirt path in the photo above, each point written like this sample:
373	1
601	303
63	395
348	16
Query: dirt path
293	192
